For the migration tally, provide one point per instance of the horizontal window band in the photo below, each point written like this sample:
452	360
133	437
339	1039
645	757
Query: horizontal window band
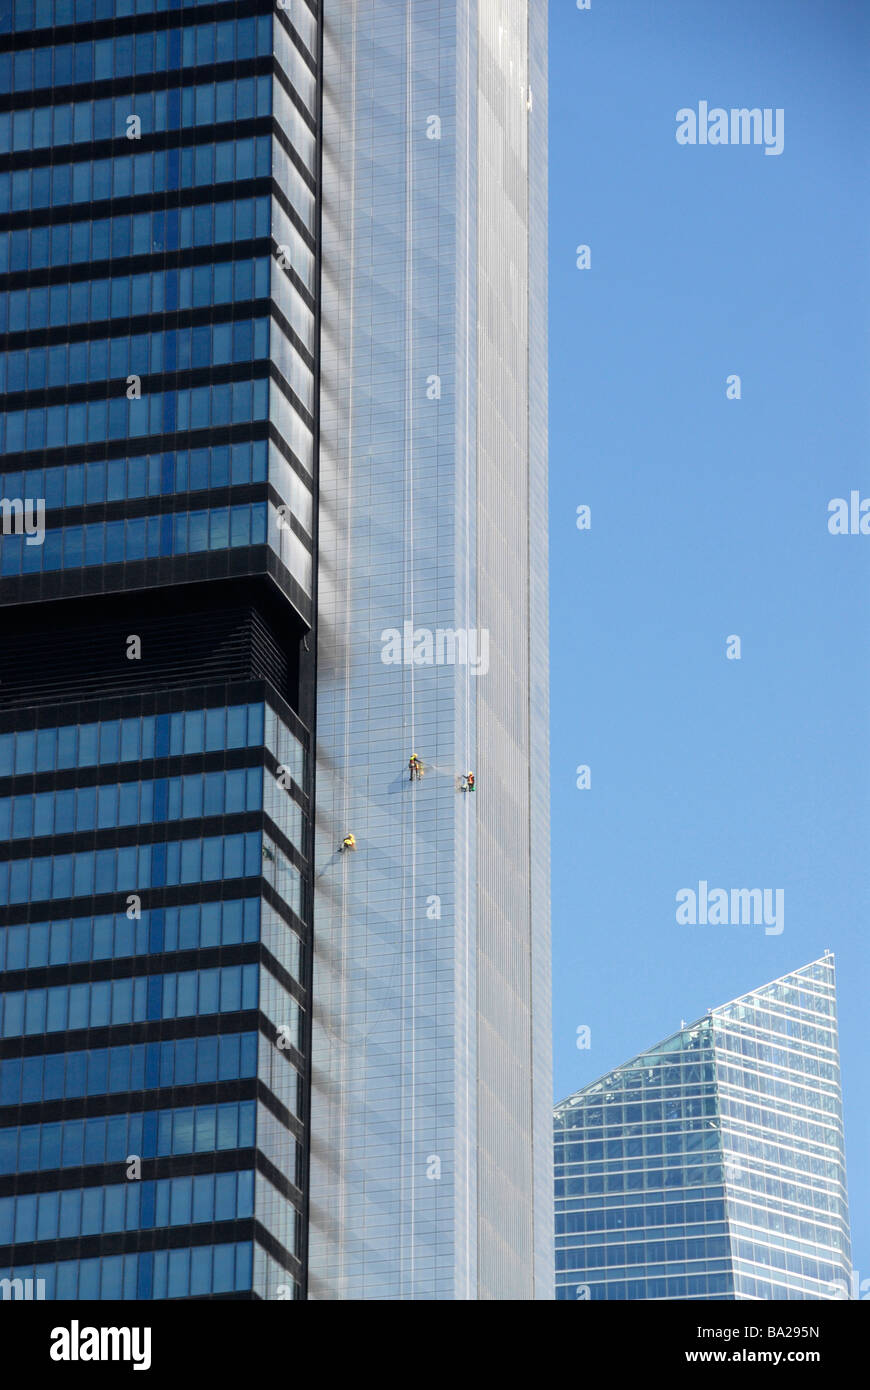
246	432
179	137
86	152
73	273
159	202
157	385
146	1031
74	972
132	24
189	1165
156	963
179	1095
130	576
167	504
106	208
123	837
119	1103
127	1242
159	321
154	21
163	504
252	367
161	895
128	1102
71	842
142	770
288	917
179	88
101	1174
213	253
266	371
127	1034
154	833
149	1031
243	431
156	702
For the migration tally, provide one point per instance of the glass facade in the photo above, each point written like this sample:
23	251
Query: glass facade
712	1166
431	1103
159	187
203	536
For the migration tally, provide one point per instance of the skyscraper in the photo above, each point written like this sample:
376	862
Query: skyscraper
158	251
247	249
431	1150
712	1165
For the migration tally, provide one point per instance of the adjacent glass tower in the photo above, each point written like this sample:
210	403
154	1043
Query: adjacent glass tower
712	1166
158	296
431	1172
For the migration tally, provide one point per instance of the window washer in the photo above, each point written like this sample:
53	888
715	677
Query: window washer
415	768
349	842
468	782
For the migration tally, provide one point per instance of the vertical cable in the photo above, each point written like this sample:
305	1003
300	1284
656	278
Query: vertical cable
409	849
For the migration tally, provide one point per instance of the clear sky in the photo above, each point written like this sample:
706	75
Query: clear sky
709	519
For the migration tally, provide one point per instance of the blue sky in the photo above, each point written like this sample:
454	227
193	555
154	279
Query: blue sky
709	518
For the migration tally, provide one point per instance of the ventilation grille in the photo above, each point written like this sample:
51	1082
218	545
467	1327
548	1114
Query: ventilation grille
86	656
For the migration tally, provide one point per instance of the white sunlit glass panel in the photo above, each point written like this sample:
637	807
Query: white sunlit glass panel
295	67
286	748
276	1142
295	127
295	309
276	1214
284	877
277	1072
281	940
294	371
299	254
293	186
279	1006
281	808
291	488
293	553
304	22
291	427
